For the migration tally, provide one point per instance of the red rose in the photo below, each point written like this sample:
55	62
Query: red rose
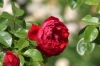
32	33
11	59
52	37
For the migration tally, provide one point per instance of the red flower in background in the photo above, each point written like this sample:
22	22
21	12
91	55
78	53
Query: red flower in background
11	59
51	37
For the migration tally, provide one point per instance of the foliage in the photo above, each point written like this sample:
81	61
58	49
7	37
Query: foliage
89	35
13	36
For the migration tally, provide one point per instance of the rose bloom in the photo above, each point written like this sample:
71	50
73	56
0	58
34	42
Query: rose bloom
52	37
11	59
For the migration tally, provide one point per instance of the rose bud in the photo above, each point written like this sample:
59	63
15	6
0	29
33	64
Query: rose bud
52	37
32	33
11	59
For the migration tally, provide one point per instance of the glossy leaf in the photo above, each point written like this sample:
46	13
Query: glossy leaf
92	2
3	24
21	33
6	39
1	3
75	3
22	60
16	11
22	43
98	9
89	20
84	48
7	15
90	34
34	54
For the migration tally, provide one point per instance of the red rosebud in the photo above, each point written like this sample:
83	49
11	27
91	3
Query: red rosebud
52	37
32	33
11	59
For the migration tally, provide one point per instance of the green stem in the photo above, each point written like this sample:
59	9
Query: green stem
14	24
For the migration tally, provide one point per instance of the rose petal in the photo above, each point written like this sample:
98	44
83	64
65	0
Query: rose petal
51	18
32	33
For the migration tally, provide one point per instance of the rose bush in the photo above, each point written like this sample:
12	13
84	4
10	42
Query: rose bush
11	59
52	37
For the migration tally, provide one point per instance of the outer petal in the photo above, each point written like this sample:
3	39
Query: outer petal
32	33
6	59
51	18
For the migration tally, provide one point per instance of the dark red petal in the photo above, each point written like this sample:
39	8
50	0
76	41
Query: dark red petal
6	59
8	64
10	58
43	52
32	33
9	52
51	18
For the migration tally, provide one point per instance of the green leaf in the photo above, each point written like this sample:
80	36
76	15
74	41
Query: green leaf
7	15
32	22
92	2
45	59
90	34
3	24
98	9
20	23
89	20
6	39
22	60
34	54
1	3
12	26
1	58
27	63
16	11
1	63
21	33
75	3
80	34
97	40
35	63
34	43
84	48
22	43
99	28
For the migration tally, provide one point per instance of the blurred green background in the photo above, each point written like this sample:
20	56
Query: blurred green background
39	10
